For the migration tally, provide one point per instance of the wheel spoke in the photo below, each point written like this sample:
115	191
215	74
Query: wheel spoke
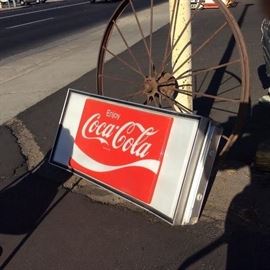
157	104
123	61
199	94
229	89
167	55
168	38
197	72
174	20
115	78
183	108
173	84
202	81
149	100
164	62
180	54
185	92
142	34
223	110
207	41
172	104
226	80
218	98
128	48
131	95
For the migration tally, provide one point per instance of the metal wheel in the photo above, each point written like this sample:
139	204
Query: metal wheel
141	60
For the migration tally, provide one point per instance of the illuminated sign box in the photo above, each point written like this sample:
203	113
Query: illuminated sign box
159	159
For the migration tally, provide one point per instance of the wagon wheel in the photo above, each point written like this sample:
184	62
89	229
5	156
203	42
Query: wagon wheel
137	47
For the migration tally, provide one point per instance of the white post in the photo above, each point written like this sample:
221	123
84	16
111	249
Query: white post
179	19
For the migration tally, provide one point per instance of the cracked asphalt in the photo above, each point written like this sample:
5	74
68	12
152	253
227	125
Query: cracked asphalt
13	164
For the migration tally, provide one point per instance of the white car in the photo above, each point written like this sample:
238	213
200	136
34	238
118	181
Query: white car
24	2
94	1
196	4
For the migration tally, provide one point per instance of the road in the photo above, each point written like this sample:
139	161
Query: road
48	47
32	26
44	227
38	41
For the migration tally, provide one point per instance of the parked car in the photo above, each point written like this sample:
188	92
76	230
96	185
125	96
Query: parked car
197	4
27	2
94	1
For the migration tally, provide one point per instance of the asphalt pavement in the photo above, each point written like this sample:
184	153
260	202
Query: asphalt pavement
40	69
45	226
34	25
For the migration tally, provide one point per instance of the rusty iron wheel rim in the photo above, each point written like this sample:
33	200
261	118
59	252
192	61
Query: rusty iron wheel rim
156	86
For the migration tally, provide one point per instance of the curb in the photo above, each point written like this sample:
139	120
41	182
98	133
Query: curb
11	8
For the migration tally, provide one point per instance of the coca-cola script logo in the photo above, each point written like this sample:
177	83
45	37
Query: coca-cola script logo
121	146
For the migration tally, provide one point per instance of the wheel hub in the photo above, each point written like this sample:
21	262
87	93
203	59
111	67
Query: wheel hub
162	85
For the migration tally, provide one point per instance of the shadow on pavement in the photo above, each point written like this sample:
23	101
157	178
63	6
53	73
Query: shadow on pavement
28	200
204	105
247	225
23	203
265	80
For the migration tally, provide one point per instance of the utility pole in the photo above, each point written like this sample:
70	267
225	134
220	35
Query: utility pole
180	17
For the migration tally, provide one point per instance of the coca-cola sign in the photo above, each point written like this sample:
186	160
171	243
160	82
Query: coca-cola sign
121	147
155	158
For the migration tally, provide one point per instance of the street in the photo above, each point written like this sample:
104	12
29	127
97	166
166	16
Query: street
48	220
31	27
63	51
